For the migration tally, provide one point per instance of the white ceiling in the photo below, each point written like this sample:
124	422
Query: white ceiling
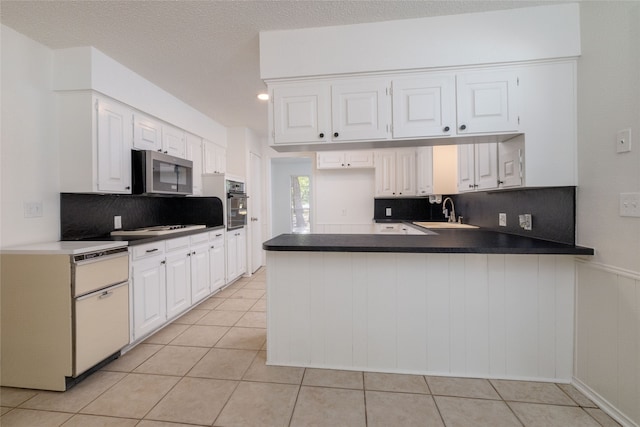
206	53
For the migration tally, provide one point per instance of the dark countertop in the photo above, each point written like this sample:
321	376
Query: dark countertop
444	241
141	240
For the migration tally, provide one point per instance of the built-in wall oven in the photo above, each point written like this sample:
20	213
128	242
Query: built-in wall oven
236	204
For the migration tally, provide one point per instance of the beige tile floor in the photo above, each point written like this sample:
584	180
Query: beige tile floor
208	368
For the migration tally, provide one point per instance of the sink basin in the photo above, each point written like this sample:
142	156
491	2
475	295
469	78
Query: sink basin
436	224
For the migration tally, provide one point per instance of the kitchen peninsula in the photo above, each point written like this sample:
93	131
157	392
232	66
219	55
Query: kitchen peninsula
469	303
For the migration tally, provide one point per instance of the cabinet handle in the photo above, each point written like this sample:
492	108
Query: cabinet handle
321	135
463	127
475	186
163	262
193	253
213	247
335	134
218	235
105	294
500	182
151	250
166	152
188	253
160	150
446	129
348	164
343	165
471	186
128	187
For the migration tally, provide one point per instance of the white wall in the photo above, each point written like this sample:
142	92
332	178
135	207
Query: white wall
608	314
520	34
29	144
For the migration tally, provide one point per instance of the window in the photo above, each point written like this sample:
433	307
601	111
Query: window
300	203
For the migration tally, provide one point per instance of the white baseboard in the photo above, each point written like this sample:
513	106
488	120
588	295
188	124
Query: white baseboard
603	404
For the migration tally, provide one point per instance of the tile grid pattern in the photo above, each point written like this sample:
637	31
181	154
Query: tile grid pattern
208	368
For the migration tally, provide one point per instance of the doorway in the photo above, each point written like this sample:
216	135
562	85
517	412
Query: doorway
283	205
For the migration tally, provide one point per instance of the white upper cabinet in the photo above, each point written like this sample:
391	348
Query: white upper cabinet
395	173
360	110
173	141
147	133
477	167
344	159
114	147
152	134
487	102
301	113
424	106
215	157
510	164
424	171
95	136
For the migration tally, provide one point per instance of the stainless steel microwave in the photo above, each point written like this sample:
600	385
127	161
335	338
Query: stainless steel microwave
153	172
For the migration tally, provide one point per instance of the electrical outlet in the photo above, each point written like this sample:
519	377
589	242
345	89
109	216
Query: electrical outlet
387	211
630	204
117	222
502	219
525	221
33	209
623	141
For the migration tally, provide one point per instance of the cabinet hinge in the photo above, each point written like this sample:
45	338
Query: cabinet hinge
96	105
389	91
517	81
518	119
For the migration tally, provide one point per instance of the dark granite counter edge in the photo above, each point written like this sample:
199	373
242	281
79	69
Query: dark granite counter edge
446	241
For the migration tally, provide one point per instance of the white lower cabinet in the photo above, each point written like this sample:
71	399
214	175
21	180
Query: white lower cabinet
216	260
236	254
200	274
170	276
148	275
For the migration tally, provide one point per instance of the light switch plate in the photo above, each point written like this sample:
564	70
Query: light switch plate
630	204
623	141
33	209
117	222
387	211
502	219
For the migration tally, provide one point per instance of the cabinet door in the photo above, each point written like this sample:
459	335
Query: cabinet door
424	106
406	172
149	296
242	251
199	273
194	153
360	110
215	158
330	160
114	147
487	102
510	164
178	283
385	173
216	261
232	256
358	159
301	114
466	172
424	171
147	133
173	141
486	166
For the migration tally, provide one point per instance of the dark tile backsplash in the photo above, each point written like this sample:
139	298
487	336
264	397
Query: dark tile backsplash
553	211
91	215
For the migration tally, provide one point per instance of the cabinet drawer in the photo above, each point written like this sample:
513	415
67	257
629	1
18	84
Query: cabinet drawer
216	235
199	238
148	250
176	244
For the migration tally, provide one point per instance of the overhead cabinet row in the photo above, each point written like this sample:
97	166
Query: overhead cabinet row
97	135
417	105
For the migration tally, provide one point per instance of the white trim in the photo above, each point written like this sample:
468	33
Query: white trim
603	404
633	275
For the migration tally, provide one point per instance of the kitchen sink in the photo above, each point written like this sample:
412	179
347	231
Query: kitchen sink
441	224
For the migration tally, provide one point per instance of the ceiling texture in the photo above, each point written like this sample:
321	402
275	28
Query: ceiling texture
206	53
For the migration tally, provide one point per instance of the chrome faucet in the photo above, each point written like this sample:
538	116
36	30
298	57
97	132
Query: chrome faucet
452	216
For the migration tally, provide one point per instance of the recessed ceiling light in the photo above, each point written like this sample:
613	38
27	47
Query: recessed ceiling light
263	96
